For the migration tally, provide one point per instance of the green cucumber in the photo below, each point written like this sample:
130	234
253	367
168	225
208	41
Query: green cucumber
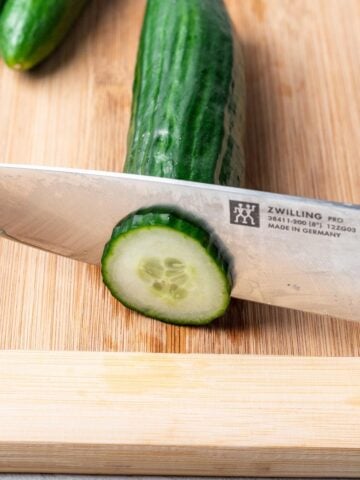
31	29
187	123
188	97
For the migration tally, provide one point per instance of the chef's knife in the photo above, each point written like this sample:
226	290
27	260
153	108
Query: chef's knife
287	251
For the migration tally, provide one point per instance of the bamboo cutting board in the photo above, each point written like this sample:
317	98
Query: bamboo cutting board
303	138
139	413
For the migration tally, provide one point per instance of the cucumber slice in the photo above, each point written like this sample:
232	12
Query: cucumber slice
166	267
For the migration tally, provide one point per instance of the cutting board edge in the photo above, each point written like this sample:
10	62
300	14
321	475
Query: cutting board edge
178	414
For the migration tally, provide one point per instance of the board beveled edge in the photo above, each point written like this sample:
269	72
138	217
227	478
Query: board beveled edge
171	414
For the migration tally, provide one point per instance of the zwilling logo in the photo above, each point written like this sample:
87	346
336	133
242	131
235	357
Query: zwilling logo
245	213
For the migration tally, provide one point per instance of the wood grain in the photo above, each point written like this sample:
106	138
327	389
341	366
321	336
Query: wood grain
303	131
124	413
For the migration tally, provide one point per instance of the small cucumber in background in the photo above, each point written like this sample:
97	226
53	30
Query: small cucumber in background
187	123
31	29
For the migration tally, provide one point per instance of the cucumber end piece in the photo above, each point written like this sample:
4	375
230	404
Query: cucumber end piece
171	272
17	65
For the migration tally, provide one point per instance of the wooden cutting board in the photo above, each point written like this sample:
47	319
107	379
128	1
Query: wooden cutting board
303	138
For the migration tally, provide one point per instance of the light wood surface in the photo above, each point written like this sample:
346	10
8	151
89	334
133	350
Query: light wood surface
303	138
129	413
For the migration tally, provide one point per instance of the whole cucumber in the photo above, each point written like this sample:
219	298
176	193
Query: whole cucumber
31	29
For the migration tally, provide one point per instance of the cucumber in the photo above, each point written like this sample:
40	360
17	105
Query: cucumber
31	29
188	96
186	123
156	262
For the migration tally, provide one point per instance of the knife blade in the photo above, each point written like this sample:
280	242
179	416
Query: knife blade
287	251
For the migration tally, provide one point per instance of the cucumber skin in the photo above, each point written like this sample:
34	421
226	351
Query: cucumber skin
31	29
188	109
167	218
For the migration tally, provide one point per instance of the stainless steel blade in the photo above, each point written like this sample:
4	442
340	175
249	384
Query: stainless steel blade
287	251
